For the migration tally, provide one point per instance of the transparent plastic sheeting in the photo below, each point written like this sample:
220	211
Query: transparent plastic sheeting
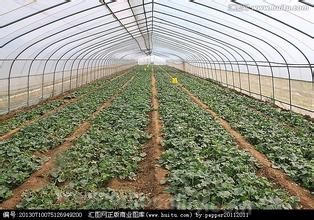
263	48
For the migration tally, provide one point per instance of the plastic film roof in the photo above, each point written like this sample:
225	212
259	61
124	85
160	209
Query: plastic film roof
266	36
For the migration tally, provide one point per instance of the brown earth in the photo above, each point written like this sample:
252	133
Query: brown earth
150	175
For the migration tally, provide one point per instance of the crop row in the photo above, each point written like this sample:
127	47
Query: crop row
287	148
207	170
23	116
17	155
111	148
293	120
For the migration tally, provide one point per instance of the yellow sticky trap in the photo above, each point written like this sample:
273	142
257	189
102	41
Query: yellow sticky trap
174	80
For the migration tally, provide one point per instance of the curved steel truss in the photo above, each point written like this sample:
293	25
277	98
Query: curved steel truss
64	44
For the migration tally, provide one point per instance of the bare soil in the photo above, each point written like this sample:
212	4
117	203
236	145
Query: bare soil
150	174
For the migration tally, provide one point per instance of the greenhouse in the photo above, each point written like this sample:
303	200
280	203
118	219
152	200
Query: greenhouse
156	105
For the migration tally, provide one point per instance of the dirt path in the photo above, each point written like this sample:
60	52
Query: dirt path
12	132
40	178
150	174
275	175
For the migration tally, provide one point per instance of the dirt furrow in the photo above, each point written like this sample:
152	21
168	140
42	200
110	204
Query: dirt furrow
276	175
150	175
40	178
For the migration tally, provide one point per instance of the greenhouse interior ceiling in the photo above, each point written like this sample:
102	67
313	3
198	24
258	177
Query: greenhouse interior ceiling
48	47
172	99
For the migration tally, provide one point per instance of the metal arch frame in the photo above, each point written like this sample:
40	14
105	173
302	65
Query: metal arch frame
162	31
216	52
242	33
10	71
230	48
128	54
82	44
198	42
121	59
228	36
84	22
90	47
275	34
152	29
223	43
106	58
83	48
217	45
113	14
208	62
251	45
138	26
306	3
70	50
83	65
306	58
36	13
155	52
171	54
288	103
76	25
111	39
64	55
101	61
105	54
271	17
63	9
186	49
110	22
86	49
51	22
231	64
149	39
253	59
